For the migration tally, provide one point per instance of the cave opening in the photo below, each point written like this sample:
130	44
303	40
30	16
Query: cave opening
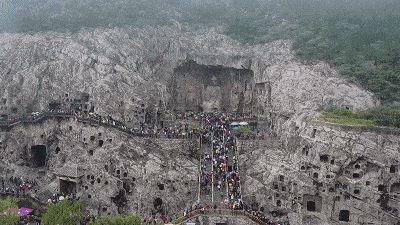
157	203
197	88
120	200
344	215
67	186
38	156
311	206
395	188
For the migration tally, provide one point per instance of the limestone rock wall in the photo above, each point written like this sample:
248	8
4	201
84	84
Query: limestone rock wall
326	174
109	161
120	66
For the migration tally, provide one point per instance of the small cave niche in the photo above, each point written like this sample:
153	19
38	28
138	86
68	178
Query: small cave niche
395	188
110	140
313	203
311	206
127	186
58	150
120	200
104	209
101	142
381	187
344	215
281	178
356	191
70	128
315	175
118	172
89	196
88	177
38	156
393	169
98	180
125	174
314	131
324	158
357	166
262	209
99	134
91	152
92	138
67	186
356	175
332	161
160	187
158	203
106	168
279	203
367	183
302	168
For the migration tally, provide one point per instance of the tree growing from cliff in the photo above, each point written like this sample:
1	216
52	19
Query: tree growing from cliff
64	213
119	219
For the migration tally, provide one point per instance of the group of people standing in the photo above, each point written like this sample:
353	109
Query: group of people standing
17	185
223	179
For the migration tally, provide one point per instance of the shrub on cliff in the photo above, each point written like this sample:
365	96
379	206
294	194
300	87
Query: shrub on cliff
64	213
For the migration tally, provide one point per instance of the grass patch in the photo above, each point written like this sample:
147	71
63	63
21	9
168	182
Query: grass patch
345	116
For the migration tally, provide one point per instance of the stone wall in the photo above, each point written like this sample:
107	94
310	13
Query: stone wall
325	173
119	172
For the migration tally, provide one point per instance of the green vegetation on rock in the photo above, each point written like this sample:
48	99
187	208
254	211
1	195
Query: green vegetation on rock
8	210
64	212
382	116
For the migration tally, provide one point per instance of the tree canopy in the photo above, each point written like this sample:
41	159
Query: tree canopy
7	205
64	213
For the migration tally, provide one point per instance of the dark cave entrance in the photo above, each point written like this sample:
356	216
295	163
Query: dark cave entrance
120	200
344	215
158	203
196	87
38	156
67	186
311	206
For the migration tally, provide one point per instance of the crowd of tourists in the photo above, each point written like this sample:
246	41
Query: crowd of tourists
16	185
223	176
56	198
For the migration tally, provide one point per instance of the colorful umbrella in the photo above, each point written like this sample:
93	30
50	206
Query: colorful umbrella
22	212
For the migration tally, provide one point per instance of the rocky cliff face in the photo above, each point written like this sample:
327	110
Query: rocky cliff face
312	173
319	173
119	66
111	170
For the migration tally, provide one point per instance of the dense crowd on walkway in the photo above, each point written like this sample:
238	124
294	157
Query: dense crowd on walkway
224	176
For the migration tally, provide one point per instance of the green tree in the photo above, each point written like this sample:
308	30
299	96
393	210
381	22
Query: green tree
117	220
63	213
6	205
